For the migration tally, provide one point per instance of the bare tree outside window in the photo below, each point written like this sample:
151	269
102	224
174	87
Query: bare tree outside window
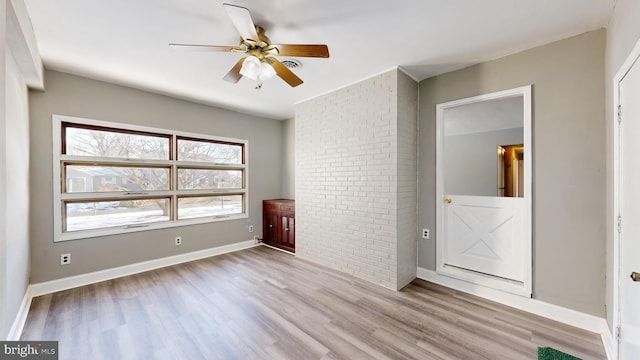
90	142
133	170
105	144
190	150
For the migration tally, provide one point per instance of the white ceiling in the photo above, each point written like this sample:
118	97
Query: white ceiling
125	41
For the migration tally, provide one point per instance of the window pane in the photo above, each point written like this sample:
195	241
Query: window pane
115	178
195	207
101	143
209	179
190	150
103	214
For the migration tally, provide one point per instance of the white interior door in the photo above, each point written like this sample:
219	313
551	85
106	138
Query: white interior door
485	234
629	200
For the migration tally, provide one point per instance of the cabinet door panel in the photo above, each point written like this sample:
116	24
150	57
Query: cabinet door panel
291	233
271	234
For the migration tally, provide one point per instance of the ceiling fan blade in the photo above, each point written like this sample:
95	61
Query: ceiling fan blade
241	19
320	51
284	72
234	74
209	48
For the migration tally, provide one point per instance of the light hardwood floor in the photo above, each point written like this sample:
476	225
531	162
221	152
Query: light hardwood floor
264	304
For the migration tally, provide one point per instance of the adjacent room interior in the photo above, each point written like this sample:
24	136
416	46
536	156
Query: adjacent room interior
385	180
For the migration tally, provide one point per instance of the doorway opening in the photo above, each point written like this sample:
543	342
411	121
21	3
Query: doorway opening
511	170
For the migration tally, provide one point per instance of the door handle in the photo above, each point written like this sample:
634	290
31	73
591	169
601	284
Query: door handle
447	200
635	276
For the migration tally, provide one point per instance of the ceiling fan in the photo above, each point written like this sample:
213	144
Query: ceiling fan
258	65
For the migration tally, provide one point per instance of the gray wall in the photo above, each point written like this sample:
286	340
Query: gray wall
80	97
622	35
14	175
288	158
568	161
5	314
471	163
16	155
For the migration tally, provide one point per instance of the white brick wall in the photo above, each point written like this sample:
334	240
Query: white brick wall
407	172
347	179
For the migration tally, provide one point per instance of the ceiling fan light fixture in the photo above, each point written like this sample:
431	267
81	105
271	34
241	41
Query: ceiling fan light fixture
258	65
257	70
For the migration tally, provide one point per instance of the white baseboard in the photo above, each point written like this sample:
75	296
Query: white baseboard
608	342
275	248
52	286
21	317
571	317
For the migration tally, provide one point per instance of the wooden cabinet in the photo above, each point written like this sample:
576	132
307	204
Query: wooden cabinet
279	223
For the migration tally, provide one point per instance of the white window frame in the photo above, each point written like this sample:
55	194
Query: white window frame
59	197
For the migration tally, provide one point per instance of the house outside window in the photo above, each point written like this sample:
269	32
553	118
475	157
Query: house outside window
76	183
121	178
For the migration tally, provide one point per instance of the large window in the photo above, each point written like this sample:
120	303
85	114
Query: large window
117	178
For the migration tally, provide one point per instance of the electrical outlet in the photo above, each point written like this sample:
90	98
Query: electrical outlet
178	240
250	228
65	259
425	233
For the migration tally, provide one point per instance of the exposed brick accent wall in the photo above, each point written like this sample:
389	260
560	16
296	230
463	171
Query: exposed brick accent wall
355	179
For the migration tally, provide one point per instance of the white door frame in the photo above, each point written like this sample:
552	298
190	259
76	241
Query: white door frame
523	288
624	69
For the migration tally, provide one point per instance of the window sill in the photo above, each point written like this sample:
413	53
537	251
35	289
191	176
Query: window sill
85	234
